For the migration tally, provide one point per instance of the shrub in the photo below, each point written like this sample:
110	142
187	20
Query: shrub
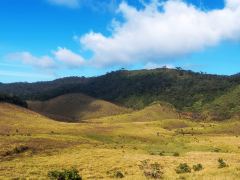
20	149
176	154
197	167
71	174
153	171
216	150
16	150
183	168
222	163
182	178
161	154
115	173
119	174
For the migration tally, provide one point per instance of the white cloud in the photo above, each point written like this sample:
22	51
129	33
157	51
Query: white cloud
152	35
68	3
233	4
164	31
151	65
62	56
68	57
44	62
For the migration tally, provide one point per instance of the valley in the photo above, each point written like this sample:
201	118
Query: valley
129	144
145	124
75	107
119	89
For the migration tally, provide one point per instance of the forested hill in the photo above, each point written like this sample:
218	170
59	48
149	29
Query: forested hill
136	89
38	89
12	100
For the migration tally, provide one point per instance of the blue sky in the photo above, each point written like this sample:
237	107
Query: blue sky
49	39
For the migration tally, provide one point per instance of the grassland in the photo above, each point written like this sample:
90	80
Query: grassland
128	143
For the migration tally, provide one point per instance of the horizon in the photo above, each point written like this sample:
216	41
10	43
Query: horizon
175	68
46	40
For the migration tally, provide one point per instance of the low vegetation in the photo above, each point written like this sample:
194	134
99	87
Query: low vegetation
16	150
222	163
151	170
118	174
66	174
124	146
115	173
176	154
183	168
197	167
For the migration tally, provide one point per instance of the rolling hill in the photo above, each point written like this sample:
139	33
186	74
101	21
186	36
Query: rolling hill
33	90
124	144
135	89
224	107
187	91
15	119
4	98
157	111
75	107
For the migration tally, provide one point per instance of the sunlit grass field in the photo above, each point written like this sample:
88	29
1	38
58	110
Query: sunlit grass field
127	143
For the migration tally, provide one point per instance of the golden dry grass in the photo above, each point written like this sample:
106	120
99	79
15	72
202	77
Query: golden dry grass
99	147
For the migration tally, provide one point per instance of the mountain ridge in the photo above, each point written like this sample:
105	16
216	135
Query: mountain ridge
184	89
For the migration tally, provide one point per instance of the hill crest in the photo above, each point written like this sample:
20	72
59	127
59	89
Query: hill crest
75	107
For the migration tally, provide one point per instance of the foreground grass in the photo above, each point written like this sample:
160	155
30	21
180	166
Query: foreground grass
99	148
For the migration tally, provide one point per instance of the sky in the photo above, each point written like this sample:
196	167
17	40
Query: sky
48	39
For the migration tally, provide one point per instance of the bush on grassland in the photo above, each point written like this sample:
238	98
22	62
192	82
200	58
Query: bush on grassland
66	174
183	168
197	167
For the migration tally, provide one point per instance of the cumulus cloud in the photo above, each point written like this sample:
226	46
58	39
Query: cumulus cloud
163	31
152	35
233	4
68	3
68	57
44	62
62	56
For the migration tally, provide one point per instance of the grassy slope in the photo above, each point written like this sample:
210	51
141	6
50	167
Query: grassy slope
153	112
96	148
225	107
75	107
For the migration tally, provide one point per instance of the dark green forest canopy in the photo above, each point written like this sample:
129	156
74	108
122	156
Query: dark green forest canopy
13	100
186	90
